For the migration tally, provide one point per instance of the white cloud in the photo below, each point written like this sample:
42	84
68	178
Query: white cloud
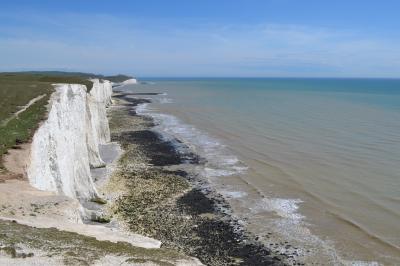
109	44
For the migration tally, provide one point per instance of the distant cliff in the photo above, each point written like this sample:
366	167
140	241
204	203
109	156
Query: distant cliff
66	145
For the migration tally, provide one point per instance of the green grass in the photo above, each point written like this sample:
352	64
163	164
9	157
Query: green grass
117	78
16	90
113	78
19	130
76	249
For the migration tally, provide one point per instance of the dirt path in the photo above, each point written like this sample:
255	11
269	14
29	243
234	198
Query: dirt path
23	109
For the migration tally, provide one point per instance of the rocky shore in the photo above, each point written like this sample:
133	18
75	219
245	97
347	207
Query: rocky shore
53	214
156	197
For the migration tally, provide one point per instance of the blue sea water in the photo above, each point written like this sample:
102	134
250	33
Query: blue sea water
314	160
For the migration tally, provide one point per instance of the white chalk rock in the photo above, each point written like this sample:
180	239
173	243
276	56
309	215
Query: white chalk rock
67	143
92	135
129	81
100	98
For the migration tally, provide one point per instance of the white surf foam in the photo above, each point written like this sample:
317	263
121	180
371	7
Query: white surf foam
234	194
219	161
291	226
142	108
360	263
165	100
285	208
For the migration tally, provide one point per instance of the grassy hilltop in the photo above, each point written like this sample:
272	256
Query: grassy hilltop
18	88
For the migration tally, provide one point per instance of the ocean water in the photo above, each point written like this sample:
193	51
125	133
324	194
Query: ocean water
315	162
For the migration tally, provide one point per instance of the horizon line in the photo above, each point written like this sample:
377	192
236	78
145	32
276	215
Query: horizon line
258	77
197	77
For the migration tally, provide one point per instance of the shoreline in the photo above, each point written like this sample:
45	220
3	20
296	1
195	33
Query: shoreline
191	217
263	196
39	227
152	194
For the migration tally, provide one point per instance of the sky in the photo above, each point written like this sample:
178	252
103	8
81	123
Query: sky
207	38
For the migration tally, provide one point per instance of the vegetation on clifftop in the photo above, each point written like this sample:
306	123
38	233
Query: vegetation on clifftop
112	78
18	88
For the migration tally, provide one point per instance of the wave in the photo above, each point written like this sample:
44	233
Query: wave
290	224
364	230
285	208
165	100
233	194
218	160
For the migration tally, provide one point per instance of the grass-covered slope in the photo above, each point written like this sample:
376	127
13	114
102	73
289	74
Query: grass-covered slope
16	91
112	78
117	78
76	249
18	88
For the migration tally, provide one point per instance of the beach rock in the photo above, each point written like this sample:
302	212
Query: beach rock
163	201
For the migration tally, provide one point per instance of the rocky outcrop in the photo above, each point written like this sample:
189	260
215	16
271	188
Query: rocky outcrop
66	145
129	81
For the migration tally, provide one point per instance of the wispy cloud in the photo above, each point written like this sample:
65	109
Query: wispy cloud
106	43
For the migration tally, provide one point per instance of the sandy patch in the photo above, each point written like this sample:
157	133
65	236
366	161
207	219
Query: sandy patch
15	161
27	205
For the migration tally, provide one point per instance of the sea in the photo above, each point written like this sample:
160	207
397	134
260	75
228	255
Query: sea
310	163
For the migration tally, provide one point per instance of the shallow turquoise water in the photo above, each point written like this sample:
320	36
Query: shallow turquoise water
331	144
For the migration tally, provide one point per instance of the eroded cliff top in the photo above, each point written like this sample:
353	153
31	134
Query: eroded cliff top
23	100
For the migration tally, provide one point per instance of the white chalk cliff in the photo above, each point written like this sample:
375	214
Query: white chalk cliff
129	81
66	145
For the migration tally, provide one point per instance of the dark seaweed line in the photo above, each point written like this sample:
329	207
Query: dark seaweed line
211	234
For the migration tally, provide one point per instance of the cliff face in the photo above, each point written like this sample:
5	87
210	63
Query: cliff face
66	145
98	131
129	81
99	99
